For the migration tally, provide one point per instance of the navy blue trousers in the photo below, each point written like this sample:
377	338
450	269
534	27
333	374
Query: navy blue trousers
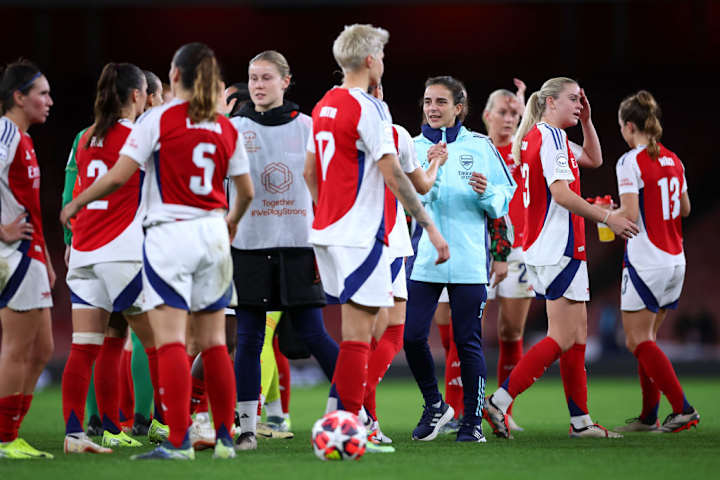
308	324
467	302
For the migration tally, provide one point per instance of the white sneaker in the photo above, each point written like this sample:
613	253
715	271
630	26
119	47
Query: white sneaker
592	431
637	425
514	427
81	443
377	434
201	434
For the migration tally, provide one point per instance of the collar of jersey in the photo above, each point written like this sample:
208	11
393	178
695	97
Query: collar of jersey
285	113
435	134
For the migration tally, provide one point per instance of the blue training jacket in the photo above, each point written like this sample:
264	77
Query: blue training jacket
457	210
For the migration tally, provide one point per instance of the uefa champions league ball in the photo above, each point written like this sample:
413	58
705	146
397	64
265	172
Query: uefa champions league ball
339	435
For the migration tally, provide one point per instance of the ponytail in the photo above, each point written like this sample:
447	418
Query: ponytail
114	89
642	110
200	74
535	109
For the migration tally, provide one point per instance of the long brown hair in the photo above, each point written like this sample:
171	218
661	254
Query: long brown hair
642	110
200	74
114	90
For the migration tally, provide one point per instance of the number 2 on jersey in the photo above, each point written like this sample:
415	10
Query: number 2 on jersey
96	169
203	185
325	150
670	193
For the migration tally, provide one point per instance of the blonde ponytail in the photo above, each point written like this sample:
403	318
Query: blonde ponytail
535	109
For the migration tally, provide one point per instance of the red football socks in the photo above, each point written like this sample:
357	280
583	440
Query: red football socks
650	396
127	395
351	374
174	375
107	383
220	381
10	408
75	384
510	354
658	367
532	366
154	378
445	337
453	379
574	378
381	357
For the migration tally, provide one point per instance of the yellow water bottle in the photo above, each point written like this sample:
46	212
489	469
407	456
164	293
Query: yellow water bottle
604	232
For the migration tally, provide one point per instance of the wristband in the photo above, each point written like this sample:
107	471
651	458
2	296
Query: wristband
607	215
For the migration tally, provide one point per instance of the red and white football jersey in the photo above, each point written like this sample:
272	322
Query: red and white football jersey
351	131
517	209
104	220
20	188
395	223
185	162
551	231
659	184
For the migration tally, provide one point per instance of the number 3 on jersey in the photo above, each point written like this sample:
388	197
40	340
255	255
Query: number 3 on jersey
525	172
96	169
670	192
203	185
325	150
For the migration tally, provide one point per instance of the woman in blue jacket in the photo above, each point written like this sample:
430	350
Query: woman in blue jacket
473	185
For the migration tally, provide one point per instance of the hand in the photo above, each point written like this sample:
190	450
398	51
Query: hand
19	229
440	245
68	212
66	257
521	87
622	226
438	152
585	113
232	227
499	272
478	182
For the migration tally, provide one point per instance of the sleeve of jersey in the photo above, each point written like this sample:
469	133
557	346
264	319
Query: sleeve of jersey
554	156
141	142
239	163
375	130
406	151
684	184
500	245
71	172
501	186
626	176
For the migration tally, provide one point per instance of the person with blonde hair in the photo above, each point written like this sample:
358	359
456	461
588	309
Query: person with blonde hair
188	150
653	193
554	247
351	156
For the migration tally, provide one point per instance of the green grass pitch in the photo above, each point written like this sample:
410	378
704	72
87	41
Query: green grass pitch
542	451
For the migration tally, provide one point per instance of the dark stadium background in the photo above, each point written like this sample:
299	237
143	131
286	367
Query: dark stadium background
613	48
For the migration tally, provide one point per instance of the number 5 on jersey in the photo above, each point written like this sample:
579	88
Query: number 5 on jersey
203	185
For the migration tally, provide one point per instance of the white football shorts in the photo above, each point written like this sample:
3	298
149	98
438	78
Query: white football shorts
567	279
187	265
655	289
27	285
360	274
399	282
517	283
111	286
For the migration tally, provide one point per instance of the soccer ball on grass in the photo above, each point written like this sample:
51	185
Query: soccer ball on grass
339	435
